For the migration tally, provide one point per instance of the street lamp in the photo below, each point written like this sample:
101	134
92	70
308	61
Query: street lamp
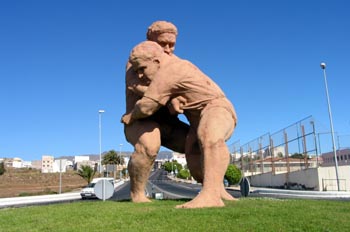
100	112
323	66
172	167
121	158
120	149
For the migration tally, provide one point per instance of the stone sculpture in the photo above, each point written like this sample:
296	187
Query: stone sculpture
162	128
211	115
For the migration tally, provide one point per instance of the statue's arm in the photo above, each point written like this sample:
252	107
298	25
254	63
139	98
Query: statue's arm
137	86
175	105
144	107
134	83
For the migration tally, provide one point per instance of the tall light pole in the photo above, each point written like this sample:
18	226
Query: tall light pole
323	66
100	112
120	149
60	190
121	159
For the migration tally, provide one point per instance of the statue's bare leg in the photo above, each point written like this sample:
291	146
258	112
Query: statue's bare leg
145	137
194	163
193	156
215	127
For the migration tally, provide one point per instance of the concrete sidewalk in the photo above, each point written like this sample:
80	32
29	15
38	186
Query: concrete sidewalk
43	199
302	193
254	192
287	193
37	200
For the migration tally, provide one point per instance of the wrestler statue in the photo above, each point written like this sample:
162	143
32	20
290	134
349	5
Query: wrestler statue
211	115
162	128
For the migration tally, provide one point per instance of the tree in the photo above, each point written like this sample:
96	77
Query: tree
87	173
112	157
2	168
167	166
280	154
298	156
177	166
171	166
184	174
233	174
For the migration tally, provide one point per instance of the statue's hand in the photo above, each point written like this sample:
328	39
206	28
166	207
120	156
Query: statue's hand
175	106
126	119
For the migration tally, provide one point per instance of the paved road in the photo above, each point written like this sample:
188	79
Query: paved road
159	182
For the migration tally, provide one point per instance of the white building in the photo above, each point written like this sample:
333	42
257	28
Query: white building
343	157
17	162
69	163
47	164
81	158
180	158
26	164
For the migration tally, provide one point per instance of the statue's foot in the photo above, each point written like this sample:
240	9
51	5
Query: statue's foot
140	199
202	201
226	196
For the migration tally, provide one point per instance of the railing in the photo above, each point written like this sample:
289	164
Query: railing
290	149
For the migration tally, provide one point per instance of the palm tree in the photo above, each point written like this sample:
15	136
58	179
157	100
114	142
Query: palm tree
87	173
112	157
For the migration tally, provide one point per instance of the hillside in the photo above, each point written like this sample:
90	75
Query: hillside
23	182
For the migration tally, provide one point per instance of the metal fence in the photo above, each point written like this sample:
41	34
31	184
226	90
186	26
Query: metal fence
290	149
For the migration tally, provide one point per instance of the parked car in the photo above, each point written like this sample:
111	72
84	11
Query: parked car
89	192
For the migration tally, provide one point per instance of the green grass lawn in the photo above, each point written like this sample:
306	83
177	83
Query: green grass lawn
248	214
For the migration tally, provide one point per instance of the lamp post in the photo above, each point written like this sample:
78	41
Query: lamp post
121	159
100	112
323	66
120	149
60	191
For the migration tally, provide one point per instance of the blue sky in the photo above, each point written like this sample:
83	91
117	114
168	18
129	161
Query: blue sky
62	61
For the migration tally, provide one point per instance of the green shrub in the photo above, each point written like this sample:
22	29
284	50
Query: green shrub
233	174
184	174
172	166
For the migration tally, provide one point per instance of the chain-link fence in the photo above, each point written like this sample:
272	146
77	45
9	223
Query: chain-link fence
290	149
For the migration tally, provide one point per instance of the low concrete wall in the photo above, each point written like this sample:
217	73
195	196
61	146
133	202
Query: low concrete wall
318	179
327	178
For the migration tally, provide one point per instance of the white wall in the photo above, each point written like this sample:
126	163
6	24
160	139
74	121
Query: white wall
81	158
327	178
318	179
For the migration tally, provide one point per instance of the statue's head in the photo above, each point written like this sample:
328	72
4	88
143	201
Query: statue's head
164	33
146	50
145	58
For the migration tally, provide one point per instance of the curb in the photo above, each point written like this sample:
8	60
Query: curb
35	200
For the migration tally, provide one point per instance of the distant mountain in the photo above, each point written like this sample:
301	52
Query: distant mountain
165	155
